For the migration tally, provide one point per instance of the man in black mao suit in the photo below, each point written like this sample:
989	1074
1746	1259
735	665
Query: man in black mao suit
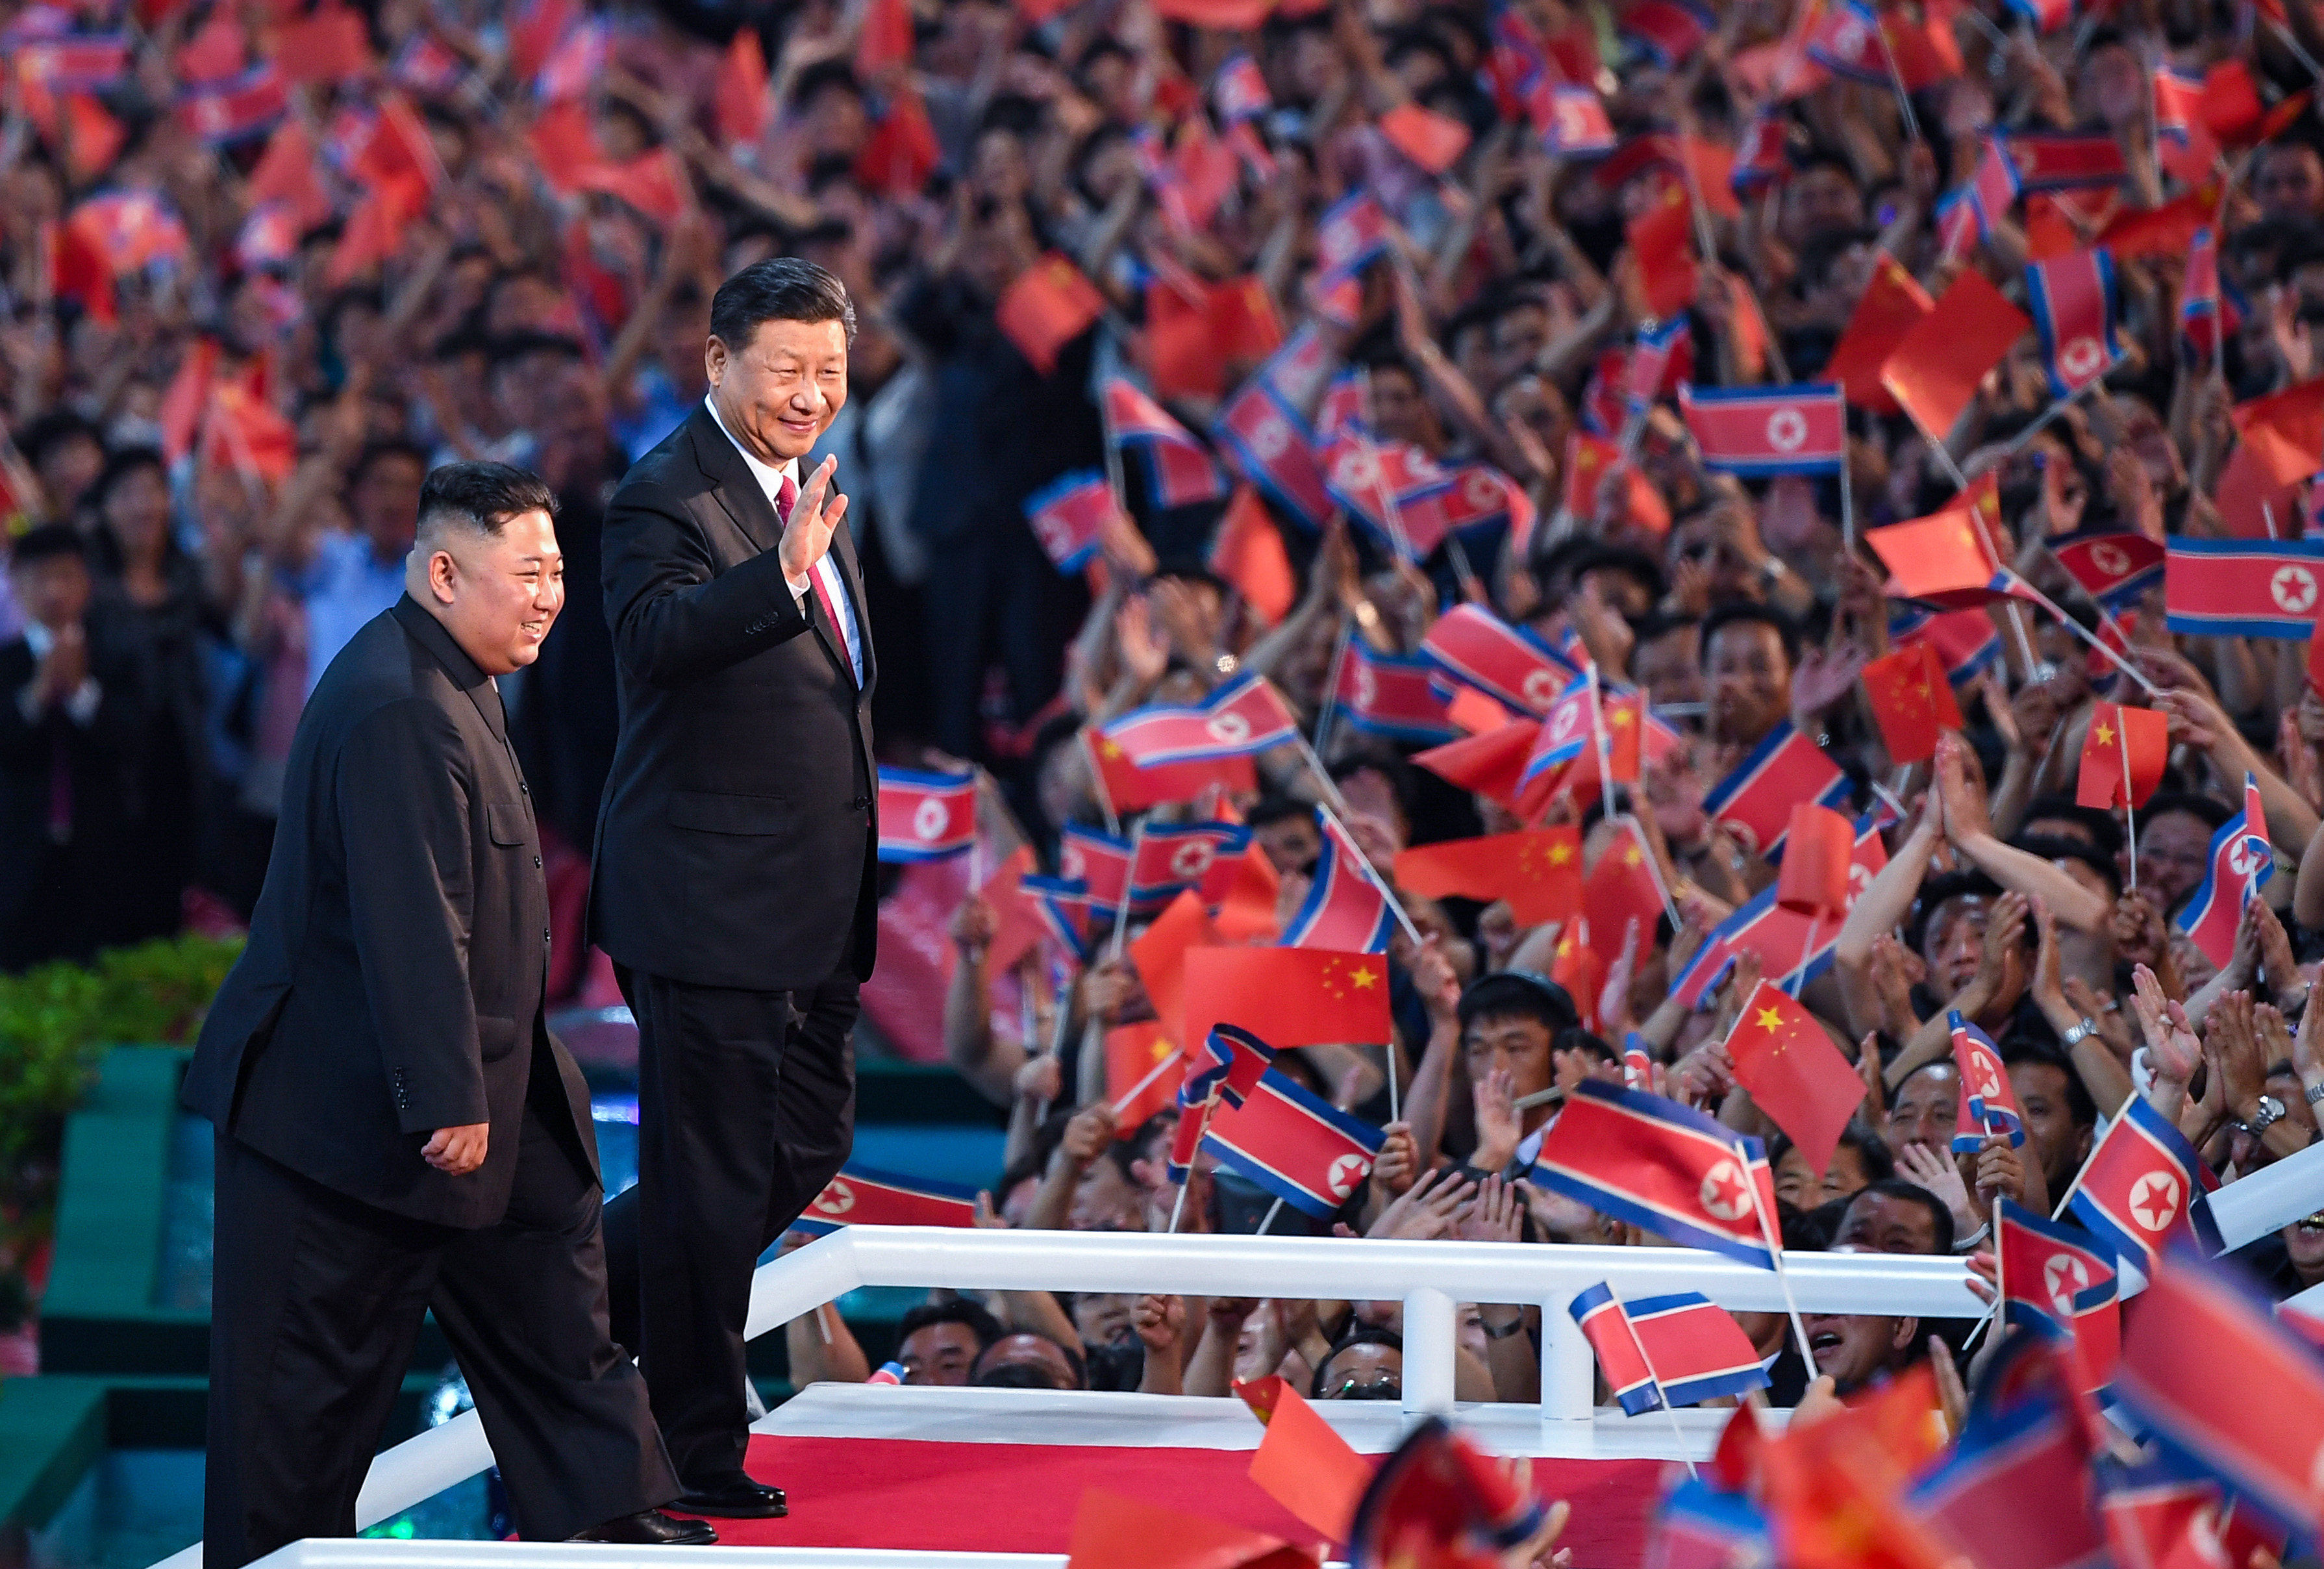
736	849
397	1131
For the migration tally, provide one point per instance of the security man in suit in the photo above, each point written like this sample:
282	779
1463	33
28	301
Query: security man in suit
736	849
397	1131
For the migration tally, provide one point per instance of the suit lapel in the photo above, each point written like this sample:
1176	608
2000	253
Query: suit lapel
428	633
851	573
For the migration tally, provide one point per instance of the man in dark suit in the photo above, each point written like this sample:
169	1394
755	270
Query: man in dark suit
736	850
397	1131
73	715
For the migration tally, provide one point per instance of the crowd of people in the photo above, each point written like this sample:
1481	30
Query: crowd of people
264	267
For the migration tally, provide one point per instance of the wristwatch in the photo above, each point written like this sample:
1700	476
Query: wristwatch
2270	1112
2076	1033
2315	1094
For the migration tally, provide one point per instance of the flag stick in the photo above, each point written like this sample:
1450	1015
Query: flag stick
1394	1099
1272	1211
1364	865
1129	882
1847	491
2027	590
1775	1249
1458	554
2129	812
1142	1085
1807	951
1331	684
2058	406
1598	739
1113	480
1316	766
1662	1398
1654	868
1984	1319
1896	80
1208	1106
2291	43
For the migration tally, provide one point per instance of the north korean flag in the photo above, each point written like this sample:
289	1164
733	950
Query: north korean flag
1099	861
236	110
1069	514
1754	803
1231	1062
1295	1145
1700	1526
1573	122
1565	731
1765	431
1781	937
426	66
2152	1510
2048	161
1268	443
1238	91
2043	1266
2116	567
1671	31
2046	15
2206	314
1179	469
1172	857
1647	373
1235	721
1965	641
2242	859
1989	1106
1766	155
926	816
1346	909
860	1197
2073	301
1351	234
1847	43
1620	1358
1663	1167
2256	1433
1994	188
2010	1494
2178	103
73	62
2242	587
1392	695
2140	1188
1696	1349
1476	648
1061	905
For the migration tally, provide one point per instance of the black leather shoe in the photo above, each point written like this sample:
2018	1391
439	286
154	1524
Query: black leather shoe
737	1497
651	1528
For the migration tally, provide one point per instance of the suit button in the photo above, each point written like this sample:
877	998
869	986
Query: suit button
862	803
536	863
544	934
524	789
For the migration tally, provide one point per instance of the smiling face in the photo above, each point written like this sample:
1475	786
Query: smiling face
499	593
780	392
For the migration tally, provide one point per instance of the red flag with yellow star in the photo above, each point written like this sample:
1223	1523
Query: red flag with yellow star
1620	888
1132	1054
1662	240
1538	871
1625	723
1289	997
1577	967
1160	951
1892	304
2125	748
1836	1489
1794	1072
1912	700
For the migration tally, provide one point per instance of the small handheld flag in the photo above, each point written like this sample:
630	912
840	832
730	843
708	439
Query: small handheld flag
1988	1103
860	1197
926	816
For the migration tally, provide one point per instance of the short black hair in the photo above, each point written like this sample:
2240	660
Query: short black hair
2058	847
373	451
2104	830
125	463
53	430
1871	1152
1361	1334
973	1317
778	289
49	542
2213	813
1940	1218
1023	1378
484	496
1518	994
2081	1108
1730	611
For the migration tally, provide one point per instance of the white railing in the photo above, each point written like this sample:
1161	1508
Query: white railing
1428	1277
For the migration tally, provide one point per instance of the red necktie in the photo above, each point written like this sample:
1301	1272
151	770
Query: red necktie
785	499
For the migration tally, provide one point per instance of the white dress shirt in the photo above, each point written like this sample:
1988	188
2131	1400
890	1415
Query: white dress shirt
770	477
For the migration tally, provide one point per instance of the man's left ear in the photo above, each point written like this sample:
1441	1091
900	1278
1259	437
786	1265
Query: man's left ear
1906	1335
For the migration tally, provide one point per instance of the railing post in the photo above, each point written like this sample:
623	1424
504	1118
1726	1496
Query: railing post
1428	1346
1569	1371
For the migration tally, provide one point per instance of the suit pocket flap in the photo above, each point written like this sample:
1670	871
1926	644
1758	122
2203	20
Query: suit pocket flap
723	814
507	823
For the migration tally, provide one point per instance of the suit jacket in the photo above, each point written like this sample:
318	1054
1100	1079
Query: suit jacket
62	901
737	844
393	981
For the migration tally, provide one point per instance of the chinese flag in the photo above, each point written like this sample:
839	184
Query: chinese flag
1249	554
1475	713
401	148
535	32
2231	107
1913	701
1247	915
1131	788
1019	928
246	432
1626	721
1489	763
187	394
1433	142
1935	367
1181	353
1836	1488
886	40
1537	869
1303	1464
1288	996
1577	967
1793	1070
216	51
1818	854
2284	429
740	100
1048	306
901	151
1160	951
2158	231
1943	558
1132	1051
652	183
1112	1531
1662	241
77	271
1891	305
1228	15
286	173
1244	326
326	47
2123	748
1587	458
1621	888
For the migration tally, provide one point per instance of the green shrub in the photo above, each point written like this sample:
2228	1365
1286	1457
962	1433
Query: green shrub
56	1022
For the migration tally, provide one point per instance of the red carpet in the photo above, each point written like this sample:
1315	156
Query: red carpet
1021	1498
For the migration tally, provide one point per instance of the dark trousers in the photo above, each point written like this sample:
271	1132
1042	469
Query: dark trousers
316	1302
746	1108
